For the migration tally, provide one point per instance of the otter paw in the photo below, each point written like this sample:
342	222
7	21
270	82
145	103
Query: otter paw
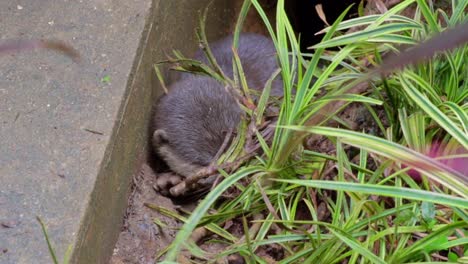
165	181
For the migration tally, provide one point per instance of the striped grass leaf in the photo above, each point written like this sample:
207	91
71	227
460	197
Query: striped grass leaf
193	66
330	251
240	22
294	203
413	129
338	214
214	228
355	245
390	231
362	36
349	98
338	58
294	48
239	72
263	144
263	101
285	38
236	148
264	229
316	155
394	38
283	209
431	168
281	144
304	94
184	234
250	255
394	10
362	164
458	12
273	239
463	95
298	256
458	111
381	216
430	17
456	242
391	191
424	86
430	109
366	20
201	35
424	242
352	231
452	78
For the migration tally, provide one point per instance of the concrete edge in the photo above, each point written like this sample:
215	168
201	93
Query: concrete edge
101	224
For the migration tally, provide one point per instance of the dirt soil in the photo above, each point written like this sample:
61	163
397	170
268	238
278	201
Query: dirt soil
140	238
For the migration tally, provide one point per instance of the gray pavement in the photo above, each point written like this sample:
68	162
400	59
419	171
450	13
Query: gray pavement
72	134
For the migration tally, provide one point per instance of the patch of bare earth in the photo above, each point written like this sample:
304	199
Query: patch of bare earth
140	238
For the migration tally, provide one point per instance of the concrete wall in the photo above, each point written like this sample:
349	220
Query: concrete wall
71	135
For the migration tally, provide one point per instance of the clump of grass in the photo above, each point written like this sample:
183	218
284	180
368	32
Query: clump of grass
313	207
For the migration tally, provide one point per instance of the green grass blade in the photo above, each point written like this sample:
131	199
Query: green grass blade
361	36
394	38
428	15
433	111
240	22
428	166
459	113
366	20
354	244
184	234
240	73
49	245
406	193
428	240
262	102
459	11
349	98
397	8
67	256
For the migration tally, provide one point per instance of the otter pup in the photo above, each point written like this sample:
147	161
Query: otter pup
193	119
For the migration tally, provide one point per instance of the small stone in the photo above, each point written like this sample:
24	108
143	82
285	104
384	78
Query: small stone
19	7
9	224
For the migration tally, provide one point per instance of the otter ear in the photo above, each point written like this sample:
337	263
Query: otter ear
159	137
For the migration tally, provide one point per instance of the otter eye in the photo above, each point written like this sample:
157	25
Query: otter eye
164	140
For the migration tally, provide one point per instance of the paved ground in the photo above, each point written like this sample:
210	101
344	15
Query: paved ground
49	159
71	134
